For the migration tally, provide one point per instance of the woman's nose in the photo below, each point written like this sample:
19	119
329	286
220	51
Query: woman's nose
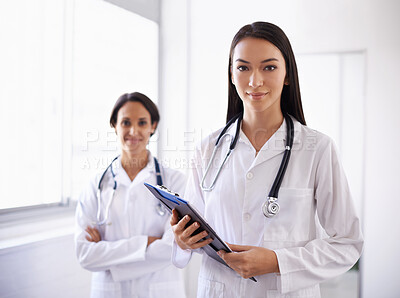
133	130
256	79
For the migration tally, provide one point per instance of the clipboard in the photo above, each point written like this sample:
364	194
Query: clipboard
171	200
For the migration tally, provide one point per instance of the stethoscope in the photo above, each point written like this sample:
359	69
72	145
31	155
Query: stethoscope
270	207
159	208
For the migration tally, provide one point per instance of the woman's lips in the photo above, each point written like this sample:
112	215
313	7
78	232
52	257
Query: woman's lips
132	141
257	95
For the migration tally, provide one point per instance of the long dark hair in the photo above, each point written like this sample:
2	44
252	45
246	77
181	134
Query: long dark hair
135	97
290	98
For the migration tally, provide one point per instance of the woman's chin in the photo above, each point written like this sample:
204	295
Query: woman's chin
133	148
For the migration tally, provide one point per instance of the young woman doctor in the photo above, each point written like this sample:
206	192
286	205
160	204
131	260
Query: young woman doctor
123	234
315	234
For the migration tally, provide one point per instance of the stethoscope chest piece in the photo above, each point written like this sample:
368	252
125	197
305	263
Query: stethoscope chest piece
160	209
270	207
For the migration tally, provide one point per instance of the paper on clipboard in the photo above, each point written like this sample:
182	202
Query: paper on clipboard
172	201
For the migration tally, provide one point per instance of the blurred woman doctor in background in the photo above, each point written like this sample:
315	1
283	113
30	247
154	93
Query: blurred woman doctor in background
122	232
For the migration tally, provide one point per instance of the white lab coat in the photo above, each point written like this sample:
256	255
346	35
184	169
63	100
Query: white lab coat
122	264
316	235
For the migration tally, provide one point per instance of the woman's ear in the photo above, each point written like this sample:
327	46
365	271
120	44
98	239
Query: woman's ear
232	80
286	81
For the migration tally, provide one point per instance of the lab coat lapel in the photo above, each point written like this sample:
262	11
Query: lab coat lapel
276	144
145	173
121	176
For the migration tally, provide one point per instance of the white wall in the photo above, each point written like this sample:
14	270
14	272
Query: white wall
43	269
313	26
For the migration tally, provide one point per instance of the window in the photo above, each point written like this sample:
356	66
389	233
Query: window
115	53
65	63
31	102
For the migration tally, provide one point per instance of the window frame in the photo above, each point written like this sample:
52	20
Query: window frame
24	215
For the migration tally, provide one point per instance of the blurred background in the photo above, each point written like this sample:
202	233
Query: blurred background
64	63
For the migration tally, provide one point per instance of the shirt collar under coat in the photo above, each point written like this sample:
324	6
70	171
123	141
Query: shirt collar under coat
122	177
274	146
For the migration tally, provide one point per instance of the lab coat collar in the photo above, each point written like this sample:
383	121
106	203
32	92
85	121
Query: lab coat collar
274	146
280	134
122	177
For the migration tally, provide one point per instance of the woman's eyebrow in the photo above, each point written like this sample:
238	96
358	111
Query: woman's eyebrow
264	61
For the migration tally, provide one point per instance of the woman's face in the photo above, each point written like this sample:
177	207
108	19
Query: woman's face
258	73
134	127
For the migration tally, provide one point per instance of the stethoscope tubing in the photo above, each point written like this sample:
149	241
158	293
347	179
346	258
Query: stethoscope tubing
285	160
102	222
160	209
270	207
232	146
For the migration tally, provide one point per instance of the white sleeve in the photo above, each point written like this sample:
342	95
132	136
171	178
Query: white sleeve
157	257
103	254
321	259
158	253
193	194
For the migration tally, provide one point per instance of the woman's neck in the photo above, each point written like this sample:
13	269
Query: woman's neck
260	126
133	163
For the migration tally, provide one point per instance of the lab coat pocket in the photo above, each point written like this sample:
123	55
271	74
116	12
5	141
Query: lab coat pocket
173	289
292	225
209	288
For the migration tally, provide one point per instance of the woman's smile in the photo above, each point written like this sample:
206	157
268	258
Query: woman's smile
256	95
132	140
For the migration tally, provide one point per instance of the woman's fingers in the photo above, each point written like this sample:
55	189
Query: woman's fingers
90	236
181	225
174	218
184	235
151	239
201	243
238	248
97	236
196	238
190	229
94	234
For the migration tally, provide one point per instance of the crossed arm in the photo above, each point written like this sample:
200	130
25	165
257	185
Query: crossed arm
94	236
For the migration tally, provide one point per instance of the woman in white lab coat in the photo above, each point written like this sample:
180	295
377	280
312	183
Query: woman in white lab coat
128	247
316	234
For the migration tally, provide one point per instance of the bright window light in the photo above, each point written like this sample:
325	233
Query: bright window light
115	52
63	65
31	99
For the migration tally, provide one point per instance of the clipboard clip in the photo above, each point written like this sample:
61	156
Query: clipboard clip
164	188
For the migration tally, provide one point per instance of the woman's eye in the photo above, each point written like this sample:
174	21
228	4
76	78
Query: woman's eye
142	123
242	68
270	67
126	123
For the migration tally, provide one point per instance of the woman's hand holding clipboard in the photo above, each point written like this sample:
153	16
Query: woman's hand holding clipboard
172	201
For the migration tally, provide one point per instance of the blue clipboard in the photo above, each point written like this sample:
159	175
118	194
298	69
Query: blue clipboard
171	200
